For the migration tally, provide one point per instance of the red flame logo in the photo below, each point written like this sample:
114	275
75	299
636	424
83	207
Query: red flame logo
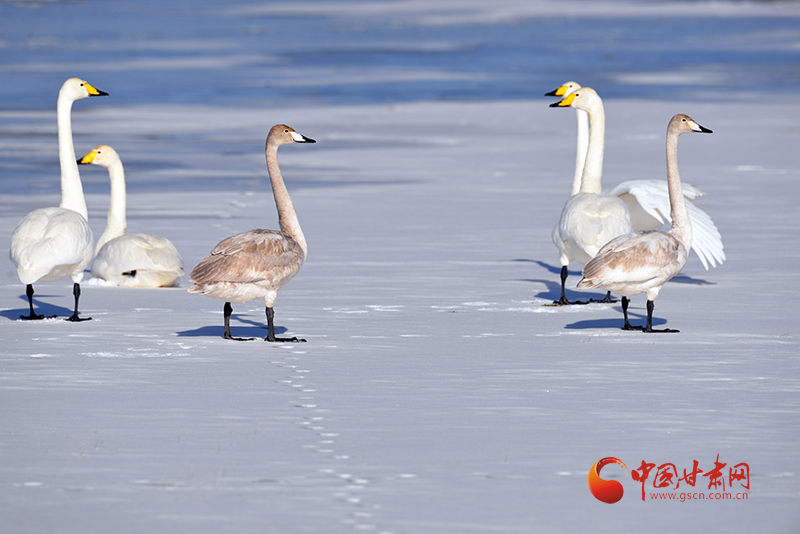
608	491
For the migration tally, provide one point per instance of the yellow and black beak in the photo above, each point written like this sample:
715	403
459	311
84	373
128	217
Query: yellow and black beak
92	91
561	91
88	158
567	102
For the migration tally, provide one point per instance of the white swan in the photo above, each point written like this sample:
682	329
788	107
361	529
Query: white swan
648	200
590	218
256	264
644	261
130	260
583	133
51	243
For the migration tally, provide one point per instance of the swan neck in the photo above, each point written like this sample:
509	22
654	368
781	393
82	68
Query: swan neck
71	188
593	167
116	223
287	217
583	145
681	226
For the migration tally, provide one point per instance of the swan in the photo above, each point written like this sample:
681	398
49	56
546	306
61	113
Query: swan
51	243
583	133
648	200
256	264
130	260
643	261
590	218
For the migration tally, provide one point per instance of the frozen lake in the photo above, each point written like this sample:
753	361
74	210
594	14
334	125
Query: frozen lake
436	392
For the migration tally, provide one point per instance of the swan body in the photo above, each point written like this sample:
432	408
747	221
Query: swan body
590	218
648	200
51	243
640	262
256	264
130	260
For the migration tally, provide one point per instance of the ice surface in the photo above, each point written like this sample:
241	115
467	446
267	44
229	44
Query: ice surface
436	392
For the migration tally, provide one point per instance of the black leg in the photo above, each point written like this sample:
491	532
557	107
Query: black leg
33	316
271	330
607	299
563	300
227	311
649	328
627	325
76	290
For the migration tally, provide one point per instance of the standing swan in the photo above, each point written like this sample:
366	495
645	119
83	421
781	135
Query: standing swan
583	133
51	243
131	260
648	200
644	261
590	218
256	264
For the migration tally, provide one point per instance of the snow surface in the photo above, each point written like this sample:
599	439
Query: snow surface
437	393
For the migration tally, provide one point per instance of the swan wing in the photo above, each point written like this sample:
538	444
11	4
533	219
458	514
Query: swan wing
140	252
648	203
635	258
254	256
587	222
51	243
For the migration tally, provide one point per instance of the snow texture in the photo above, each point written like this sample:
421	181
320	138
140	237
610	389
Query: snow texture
437	392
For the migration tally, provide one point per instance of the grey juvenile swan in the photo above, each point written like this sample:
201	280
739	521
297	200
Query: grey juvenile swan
644	261
256	264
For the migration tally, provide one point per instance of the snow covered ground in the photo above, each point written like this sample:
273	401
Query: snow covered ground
437	392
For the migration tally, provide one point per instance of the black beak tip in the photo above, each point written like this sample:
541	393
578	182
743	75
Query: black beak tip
101	93
551	93
555	105
705	130
308	140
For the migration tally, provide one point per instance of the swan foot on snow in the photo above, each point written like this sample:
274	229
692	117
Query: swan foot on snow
563	300
227	310
76	290
33	316
606	300
649	328
271	331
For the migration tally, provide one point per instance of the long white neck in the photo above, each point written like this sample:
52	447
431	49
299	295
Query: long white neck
287	218
116	222
71	188
583	145
593	168
681	226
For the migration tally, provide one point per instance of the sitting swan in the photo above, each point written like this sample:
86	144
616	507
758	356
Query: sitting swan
256	264
648	200
590	218
130	260
644	261
51	243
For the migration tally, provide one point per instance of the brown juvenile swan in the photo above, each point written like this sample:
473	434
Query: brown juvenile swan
644	261
256	264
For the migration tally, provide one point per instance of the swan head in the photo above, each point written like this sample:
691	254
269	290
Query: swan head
280	134
565	89
685	124
584	98
104	155
75	89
